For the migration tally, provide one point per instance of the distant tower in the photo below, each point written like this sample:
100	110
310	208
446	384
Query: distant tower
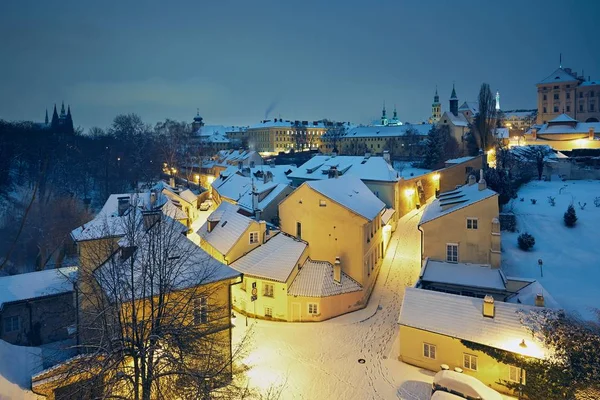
384	120
436	108
454	102
63	114
198	123
497	100
54	124
46	120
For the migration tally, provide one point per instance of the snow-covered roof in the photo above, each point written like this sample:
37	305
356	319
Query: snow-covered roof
232	187
315	279
519	114
559	128
108	222
284	123
369	169
471	106
562	118
457	120
502	133
560	75
230	157
528	293
387	215
279	173
188	264
188	195
454	200
463	274
350	192
460	160
387	131
274	260
590	83
230	226
461	317
36	284
267	193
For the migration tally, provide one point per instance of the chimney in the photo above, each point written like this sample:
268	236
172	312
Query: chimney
268	177
152	199
482	183
386	156
591	133
150	218
539	300
172	182
263	231
472	180
254	199
123	205
251	164
367	155
337	271
240	165
488	307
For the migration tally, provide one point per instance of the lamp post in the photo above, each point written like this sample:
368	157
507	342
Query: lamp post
522	345
541	264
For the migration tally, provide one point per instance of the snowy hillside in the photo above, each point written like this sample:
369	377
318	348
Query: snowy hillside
571	256
17	364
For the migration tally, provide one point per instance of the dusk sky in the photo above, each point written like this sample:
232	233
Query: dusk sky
306	60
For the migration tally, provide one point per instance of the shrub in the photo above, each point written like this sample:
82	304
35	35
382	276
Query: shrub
533	201
570	217
552	200
525	241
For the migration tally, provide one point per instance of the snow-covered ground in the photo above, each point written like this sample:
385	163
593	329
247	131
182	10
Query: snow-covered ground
571	256
320	360
17	364
406	170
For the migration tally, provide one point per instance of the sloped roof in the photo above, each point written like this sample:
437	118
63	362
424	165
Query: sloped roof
387	131
560	75
472	106
461	317
457	120
279	172
590	83
269	190
562	118
315	279
188	195
463	274
528	293
36	284
188	265
455	200
565	128
274	260
369	169
350	192
230	227
459	160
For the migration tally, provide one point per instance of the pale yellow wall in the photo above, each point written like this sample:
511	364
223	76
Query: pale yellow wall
328	307
276	139
241	247
565	142
449	351
334	231
474	246
272	210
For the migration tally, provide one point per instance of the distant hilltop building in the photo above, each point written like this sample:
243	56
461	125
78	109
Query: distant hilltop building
389	122
566	92
62	123
436	109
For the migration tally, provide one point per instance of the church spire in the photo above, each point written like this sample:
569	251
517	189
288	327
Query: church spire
384	120
453	95
497	100
62	110
454	101
46	120
395	112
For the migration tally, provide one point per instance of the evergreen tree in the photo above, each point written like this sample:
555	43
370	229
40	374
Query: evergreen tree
440	147
570	216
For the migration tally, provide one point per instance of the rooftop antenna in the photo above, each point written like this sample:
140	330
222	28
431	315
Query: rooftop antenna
560	60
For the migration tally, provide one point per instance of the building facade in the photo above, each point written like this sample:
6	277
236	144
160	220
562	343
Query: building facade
566	92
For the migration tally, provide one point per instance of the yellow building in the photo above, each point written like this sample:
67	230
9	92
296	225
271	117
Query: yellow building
564	91
433	325
565	133
462	226
400	140
340	218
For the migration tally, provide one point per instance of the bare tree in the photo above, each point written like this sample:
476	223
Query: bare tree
484	123
154	317
335	132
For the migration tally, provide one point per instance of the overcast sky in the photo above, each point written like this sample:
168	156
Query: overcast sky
304	59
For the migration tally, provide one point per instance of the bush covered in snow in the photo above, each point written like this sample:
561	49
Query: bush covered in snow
570	217
525	241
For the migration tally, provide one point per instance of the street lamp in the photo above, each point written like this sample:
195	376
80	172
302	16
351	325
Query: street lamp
522	345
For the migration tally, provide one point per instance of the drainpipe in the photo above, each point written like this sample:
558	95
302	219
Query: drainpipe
230	325
75	288
420	230
28	305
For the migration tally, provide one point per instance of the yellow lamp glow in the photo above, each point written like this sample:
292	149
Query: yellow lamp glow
436	177
197	178
581	142
210	180
409	192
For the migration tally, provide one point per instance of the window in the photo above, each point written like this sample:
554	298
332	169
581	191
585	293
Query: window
545	110
514	374
268	290
471	223
322	203
253	237
555	109
581	95
429	351
568	95
313	308
592	93
581	108
243	285
470	362
299	230
269	312
545	97
452	252
11	324
568	108
200	310
555	87
591	107
555	96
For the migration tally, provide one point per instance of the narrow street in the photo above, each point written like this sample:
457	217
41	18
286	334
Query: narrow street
320	360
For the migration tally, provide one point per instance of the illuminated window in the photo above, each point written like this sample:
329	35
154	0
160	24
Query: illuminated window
429	351
514	374
313	308
268	289
451	252
470	362
269	312
253	237
471	223
322	203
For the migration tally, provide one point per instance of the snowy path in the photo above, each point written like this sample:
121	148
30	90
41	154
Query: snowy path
320	360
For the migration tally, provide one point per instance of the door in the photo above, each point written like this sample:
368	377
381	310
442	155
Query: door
296	312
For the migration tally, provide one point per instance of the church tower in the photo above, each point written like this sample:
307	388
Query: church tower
46	121
497	100
436	109
454	102
198	123
384	120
